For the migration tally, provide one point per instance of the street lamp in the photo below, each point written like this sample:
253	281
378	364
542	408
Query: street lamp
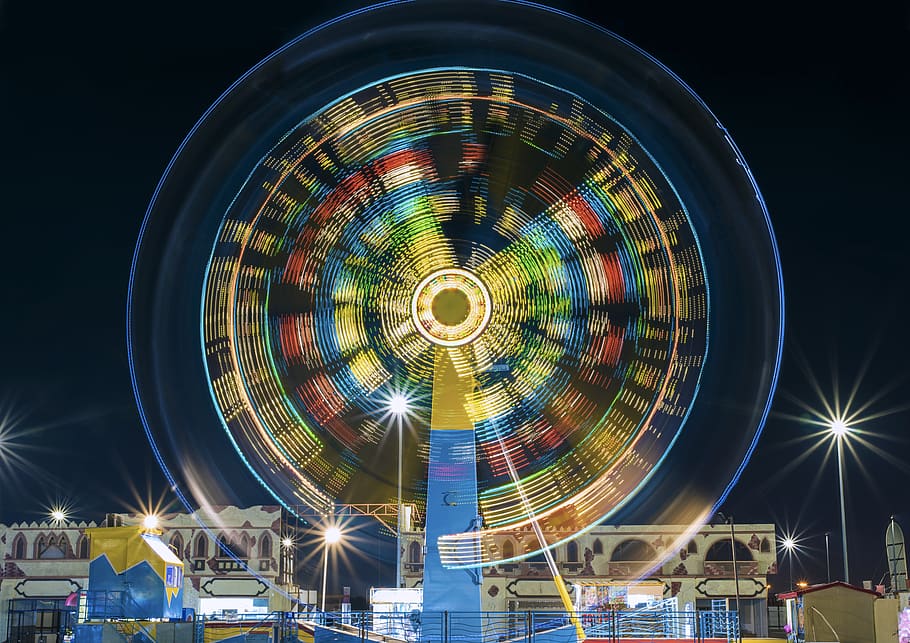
398	406
839	430
59	514
287	571
792	543
729	520
789	544
840	423
331	536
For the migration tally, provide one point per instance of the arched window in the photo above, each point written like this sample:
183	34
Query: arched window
415	551
633	550
572	552
265	546
202	546
721	551
692	548
508	550
223	548
83	547
63	543
177	544
765	546
19	547
598	547
243	551
40	546
50	548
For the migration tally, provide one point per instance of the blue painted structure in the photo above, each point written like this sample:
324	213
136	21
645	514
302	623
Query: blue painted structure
137	592
133	575
451	509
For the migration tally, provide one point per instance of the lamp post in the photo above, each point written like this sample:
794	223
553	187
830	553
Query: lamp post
287	561
839	430
735	573
398	406
729	520
331	536
790	544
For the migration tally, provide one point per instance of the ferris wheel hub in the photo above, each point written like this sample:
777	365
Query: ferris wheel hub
451	307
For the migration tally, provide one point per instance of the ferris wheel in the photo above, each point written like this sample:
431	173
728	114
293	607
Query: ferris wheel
515	230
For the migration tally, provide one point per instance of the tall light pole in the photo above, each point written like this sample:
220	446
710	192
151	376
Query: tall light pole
398	406
287	560
790	544
331	536
735	576
827	557
839	430
729	520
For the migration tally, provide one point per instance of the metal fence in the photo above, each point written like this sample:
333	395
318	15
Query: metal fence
490	627
449	627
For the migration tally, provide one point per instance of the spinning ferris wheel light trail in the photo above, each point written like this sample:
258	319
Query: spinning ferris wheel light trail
598	316
545	266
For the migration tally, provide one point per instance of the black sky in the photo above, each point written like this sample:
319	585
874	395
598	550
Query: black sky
96	97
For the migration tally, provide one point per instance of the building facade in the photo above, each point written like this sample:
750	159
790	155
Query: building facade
696	567
46	564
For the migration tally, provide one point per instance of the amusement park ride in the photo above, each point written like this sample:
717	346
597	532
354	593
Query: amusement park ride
521	225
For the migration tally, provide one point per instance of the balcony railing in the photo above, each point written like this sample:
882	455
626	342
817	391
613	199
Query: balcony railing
229	565
715	569
629	568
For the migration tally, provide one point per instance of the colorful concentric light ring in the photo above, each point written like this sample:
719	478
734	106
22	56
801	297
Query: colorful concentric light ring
586	300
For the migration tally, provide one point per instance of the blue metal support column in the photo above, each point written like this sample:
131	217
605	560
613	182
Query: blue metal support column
451	503
451	508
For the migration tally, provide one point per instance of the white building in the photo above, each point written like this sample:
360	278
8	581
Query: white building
697	567
45	563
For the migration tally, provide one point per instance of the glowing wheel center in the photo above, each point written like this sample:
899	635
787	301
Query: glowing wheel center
451	307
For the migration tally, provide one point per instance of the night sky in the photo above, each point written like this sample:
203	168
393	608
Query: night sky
96	97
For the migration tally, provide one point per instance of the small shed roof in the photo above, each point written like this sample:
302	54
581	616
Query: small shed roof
823	586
